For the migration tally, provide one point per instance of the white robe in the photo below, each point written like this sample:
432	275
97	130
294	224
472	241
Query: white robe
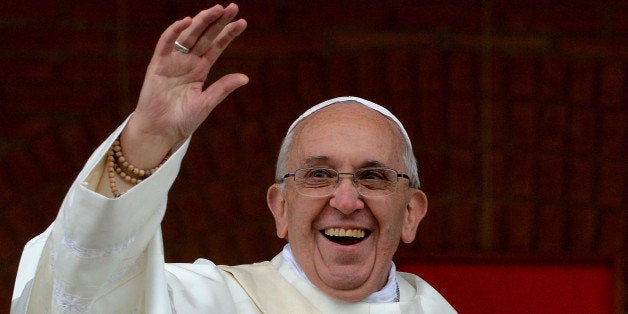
104	255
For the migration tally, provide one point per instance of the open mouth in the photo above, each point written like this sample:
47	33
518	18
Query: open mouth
345	236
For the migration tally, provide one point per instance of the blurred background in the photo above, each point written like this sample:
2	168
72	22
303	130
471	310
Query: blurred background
517	111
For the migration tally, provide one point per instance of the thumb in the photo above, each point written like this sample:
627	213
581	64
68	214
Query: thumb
219	90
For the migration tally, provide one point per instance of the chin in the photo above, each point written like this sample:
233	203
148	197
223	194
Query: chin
351	286
349	295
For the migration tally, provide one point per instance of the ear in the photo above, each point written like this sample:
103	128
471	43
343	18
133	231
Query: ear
415	211
277	205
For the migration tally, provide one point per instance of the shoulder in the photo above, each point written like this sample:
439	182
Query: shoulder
204	284
414	289
185	274
204	271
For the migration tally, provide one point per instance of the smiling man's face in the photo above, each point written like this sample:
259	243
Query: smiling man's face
345	242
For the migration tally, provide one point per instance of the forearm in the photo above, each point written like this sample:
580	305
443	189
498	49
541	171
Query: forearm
98	241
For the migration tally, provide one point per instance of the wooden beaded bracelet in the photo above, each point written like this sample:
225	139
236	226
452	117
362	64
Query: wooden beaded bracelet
117	165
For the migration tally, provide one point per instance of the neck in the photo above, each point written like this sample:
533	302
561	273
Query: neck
389	293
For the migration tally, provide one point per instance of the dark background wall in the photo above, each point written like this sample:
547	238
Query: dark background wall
517	110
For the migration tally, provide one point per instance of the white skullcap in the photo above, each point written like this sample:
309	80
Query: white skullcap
361	101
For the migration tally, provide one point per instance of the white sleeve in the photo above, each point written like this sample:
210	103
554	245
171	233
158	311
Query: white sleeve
100	254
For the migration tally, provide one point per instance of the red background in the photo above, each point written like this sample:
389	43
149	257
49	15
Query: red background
517	287
517	110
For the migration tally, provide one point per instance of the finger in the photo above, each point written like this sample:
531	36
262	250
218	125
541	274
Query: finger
205	41
219	90
222	41
200	22
166	41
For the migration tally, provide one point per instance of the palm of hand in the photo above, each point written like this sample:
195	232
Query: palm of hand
173	98
172	103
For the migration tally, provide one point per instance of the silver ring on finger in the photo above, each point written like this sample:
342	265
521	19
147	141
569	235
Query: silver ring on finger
181	48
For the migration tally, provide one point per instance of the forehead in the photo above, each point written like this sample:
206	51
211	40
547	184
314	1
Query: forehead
346	134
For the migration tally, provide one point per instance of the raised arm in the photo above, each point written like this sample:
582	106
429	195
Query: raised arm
105	254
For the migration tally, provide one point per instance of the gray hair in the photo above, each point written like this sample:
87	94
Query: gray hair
409	159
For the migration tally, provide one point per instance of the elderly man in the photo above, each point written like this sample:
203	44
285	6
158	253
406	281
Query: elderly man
346	193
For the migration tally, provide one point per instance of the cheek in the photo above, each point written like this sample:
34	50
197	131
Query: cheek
390	216
302	212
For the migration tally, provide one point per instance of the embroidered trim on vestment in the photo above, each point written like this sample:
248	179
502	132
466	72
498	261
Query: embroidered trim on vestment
84	252
70	303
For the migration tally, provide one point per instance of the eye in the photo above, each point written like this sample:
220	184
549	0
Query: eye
372	174
320	173
314	178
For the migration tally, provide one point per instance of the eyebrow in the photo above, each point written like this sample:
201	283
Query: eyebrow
373	163
313	161
316	161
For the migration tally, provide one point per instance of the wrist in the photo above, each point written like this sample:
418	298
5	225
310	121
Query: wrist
142	149
119	167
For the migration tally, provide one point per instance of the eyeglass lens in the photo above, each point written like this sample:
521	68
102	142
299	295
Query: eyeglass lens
323	181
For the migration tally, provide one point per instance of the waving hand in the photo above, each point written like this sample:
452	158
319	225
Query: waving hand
172	103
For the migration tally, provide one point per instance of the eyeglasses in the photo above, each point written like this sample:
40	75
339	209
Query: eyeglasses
320	182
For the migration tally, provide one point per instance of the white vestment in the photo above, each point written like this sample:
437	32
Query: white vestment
104	255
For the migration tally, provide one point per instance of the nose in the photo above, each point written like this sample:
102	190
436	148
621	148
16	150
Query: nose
346	198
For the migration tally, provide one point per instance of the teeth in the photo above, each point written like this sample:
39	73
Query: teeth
340	232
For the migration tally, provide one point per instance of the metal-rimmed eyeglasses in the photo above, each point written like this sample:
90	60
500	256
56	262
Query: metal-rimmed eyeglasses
321	181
